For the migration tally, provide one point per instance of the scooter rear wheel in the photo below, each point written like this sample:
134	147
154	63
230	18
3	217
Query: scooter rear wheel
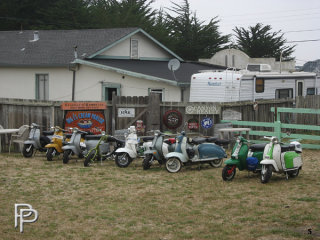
228	172
216	163
293	173
27	150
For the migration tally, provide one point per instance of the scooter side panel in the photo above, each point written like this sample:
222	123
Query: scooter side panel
292	160
54	145
177	155
209	150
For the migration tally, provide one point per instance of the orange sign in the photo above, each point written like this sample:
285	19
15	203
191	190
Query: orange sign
83	105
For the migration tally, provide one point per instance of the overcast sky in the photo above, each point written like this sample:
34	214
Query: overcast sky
301	16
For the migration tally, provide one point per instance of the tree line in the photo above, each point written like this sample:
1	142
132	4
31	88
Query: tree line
177	27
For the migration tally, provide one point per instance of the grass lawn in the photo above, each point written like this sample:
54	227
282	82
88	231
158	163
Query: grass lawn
107	202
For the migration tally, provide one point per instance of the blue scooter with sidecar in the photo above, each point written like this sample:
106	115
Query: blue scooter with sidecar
194	151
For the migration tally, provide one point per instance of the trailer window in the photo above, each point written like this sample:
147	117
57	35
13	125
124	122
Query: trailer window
259	85
284	93
311	91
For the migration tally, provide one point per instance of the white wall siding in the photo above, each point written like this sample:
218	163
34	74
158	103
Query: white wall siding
147	49
21	83
89	85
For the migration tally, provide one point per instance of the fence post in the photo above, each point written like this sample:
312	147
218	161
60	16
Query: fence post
277	129
113	123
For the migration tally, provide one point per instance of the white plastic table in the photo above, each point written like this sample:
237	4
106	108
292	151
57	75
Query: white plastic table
6	131
232	130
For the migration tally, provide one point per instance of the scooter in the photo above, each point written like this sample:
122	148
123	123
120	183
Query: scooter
280	158
35	141
131	150
55	147
76	145
101	150
243	157
158	149
190	151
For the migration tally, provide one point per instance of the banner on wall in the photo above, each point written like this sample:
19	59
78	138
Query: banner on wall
86	120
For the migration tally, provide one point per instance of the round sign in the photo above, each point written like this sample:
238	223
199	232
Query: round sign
206	122
172	119
193	124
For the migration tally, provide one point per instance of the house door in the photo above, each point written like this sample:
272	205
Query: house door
108	89
299	88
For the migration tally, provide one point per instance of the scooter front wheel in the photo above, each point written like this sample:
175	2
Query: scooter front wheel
266	173
123	160
27	150
228	172
90	158
216	163
146	164
173	165
66	155
50	153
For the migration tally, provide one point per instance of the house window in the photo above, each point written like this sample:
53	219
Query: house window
300	88
108	89
42	86
157	91
284	93
134	49
259	85
311	91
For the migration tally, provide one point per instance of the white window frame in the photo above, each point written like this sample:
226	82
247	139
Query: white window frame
42	90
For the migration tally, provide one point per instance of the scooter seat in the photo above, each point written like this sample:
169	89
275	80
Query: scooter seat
92	137
211	139
257	147
286	148
198	140
47	133
148	138
222	142
170	141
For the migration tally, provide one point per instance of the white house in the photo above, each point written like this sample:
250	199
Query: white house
88	65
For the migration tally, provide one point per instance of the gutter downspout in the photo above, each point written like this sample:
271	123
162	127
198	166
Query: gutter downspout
73	83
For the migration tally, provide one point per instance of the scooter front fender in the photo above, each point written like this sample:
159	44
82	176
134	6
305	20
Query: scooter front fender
32	142
232	162
72	148
270	162
180	156
131	153
152	152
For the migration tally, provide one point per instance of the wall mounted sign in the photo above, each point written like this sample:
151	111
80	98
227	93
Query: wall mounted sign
231	115
206	122
203	109
193	124
84	106
85	120
172	119
140	127
126	112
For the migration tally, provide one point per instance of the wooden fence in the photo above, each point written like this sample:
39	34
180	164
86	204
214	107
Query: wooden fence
151	111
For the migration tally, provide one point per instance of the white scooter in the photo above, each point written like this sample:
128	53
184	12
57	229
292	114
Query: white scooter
280	159
132	150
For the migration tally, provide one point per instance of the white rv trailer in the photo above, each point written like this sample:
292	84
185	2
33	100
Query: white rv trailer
245	85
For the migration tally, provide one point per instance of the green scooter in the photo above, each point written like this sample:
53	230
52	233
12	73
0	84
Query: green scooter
243	157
